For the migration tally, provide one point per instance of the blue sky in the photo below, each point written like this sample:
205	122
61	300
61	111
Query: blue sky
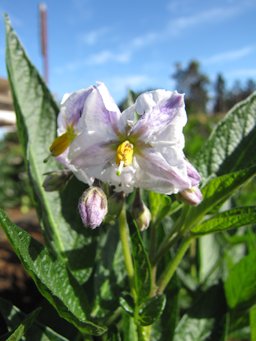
135	44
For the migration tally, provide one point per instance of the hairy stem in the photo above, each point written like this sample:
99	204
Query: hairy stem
172	266
125	241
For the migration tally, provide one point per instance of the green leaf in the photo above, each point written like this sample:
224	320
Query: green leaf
52	278
13	316
126	302
36	113
161	205
253	323
109	274
233	218
191	329
240	285
150	310
209	257
170	315
23	327
217	191
231	145
142	267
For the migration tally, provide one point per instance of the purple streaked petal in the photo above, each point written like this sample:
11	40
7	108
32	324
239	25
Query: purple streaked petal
193	174
72	108
152	183
92	156
89	163
101	112
153	163
158	109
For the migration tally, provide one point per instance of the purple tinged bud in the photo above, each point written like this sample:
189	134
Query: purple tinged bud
93	207
192	196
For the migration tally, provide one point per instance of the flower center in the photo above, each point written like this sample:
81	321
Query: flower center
62	142
124	155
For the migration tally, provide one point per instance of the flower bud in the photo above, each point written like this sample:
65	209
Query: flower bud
93	207
192	196
140	212
56	180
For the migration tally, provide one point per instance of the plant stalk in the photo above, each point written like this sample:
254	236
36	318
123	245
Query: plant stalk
172	266
125	241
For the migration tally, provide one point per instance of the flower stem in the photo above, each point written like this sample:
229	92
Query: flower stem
125	241
172	266
143	333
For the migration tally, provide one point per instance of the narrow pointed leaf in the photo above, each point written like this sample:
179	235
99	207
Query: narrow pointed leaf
217	191
230	219
52	278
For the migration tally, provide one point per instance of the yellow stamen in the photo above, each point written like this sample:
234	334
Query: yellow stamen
62	142
124	155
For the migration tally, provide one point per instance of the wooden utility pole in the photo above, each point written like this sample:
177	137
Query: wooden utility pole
44	42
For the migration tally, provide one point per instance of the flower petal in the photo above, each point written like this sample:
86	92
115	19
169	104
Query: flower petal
193	174
153	164
71	109
158	109
90	161
101	114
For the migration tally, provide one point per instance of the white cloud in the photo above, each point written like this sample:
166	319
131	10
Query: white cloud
229	55
92	37
100	58
214	15
107	56
142	40
177	6
223	11
129	82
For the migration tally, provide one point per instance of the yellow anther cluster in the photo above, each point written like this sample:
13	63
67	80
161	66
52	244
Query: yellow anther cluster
62	142
124	155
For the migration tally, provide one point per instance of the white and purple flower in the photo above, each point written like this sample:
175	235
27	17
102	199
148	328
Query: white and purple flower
139	148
